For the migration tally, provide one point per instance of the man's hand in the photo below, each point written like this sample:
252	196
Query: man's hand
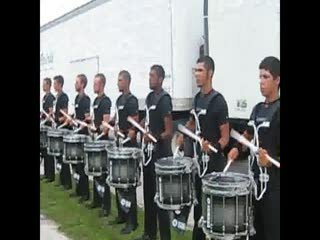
180	141
205	145
132	134
233	154
146	138
264	162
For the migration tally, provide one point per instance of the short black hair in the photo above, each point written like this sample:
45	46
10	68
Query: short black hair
126	75
59	79
83	79
208	62
102	78
159	70
48	81
271	64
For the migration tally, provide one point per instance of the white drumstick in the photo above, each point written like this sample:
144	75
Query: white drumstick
99	136
186	131
47	116
84	124
126	140
176	152
137	125
246	142
107	125
68	117
61	126
228	165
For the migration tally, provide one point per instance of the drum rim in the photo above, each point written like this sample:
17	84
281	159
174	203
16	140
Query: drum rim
75	138
115	152
53	132
211	187
185	167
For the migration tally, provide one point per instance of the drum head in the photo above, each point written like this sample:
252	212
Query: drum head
174	164
97	146
226	184
124	152
75	138
44	128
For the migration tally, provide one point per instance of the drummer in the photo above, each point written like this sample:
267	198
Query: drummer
62	103
267	210
82	111
47	106
161	126
126	105
101	109
214	127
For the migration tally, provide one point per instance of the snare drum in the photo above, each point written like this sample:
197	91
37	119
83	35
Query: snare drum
124	167
55	141
226	205
73	148
174	182
95	157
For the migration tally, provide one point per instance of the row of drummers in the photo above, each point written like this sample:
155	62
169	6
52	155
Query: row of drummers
227	194
222	200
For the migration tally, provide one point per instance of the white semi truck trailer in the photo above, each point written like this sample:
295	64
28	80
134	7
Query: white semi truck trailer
111	35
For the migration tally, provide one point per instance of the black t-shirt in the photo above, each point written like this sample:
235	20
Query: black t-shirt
47	101
269	137
163	104
101	106
127	105
61	103
216	114
81	106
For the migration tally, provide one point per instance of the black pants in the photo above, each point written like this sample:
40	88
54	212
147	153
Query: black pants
99	198
128	214
215	164
65	174
267	216
48	162
82	185
152	211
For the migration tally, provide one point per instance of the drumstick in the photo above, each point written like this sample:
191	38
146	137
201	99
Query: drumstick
99	136
246	142
61	126
84	124
107	125
126	140
137	125
176	152
187	132
47	116
68	117
228	165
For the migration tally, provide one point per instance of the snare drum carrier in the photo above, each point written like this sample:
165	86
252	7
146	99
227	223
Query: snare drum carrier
207	127
155	124
265	127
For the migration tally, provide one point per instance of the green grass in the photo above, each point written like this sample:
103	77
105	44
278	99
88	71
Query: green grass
80	223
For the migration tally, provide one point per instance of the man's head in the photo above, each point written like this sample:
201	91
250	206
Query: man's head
124	79
269	76
81	82
99	83
46	85
204	70
58	83
156	76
